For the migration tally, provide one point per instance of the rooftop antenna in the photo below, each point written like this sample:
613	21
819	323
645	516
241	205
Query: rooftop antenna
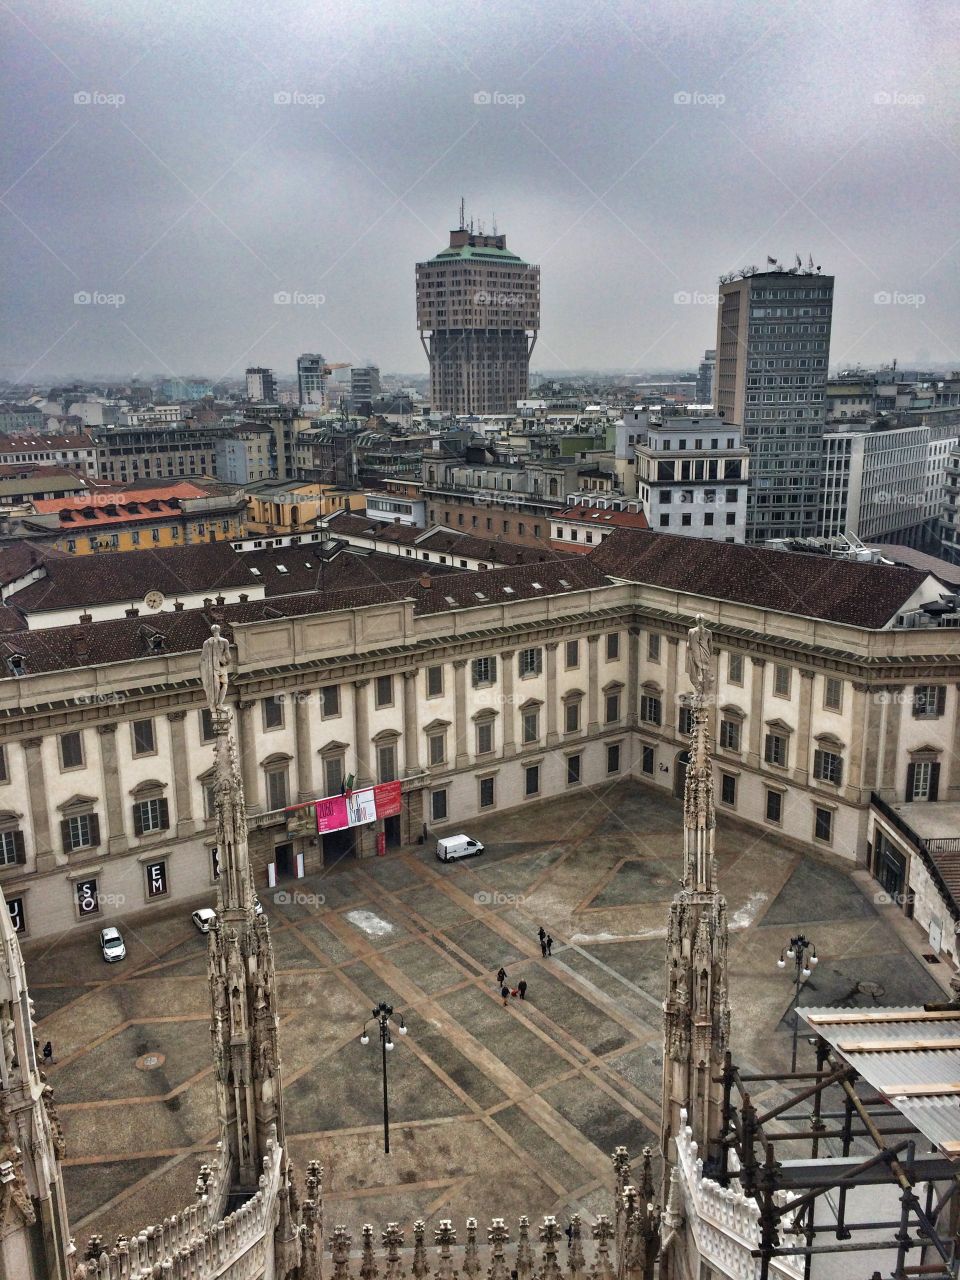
462	214
494	224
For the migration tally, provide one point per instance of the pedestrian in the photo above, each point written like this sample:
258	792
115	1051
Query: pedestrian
505	995
542	933
549	945
501	976
543	946
568	1232
48	1052
522	989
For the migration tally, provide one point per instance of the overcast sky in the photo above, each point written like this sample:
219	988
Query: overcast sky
194	159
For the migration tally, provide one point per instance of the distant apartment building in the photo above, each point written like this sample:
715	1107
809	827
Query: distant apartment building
261	385
20	418
705	377
311	378
76	452
325	455
478	313
773	346
150	415
289	507
184	389
692	473
364	388
125	454
248	453
95	413
22	485
514	501
950	510
580	528
396	508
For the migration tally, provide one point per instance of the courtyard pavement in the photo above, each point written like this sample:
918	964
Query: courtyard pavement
494	1111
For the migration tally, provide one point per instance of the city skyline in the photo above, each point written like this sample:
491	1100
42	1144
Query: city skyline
688	150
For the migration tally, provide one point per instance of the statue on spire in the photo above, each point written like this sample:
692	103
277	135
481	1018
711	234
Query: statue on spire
699	658
215	665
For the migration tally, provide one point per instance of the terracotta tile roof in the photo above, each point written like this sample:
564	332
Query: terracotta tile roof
604	516
443	541
18	558
861	595
303	569
27	444
119	506
75	581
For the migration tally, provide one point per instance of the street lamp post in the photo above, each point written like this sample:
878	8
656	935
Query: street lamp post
383	1013
804	955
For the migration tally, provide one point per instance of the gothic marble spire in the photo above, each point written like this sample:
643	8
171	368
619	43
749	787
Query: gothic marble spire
696	1008
35	1239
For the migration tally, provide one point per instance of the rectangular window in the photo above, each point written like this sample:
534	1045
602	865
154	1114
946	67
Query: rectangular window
611	708
438	806
484	737
484	671
781	681
531	780
929	701
613	757
11	848
833	693
276	788
823	825
531	725
71	750
775	749
206	725
728	789
530	662
486	793
434	682
80	832
438	748
329	701
613	646
828	767
923	780
685	721
144	743
647	760
333	775
653	647
573	771
730	735
650	710
384	691
735	668
572	654
150	815
774	806
387	762
273	711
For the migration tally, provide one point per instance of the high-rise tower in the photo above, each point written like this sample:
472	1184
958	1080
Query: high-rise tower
35	1239
773	347
696	1008
478	312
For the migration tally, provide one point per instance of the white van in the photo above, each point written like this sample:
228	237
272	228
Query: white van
453	847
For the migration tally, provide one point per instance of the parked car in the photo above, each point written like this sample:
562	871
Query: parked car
450	848
112	945
204	919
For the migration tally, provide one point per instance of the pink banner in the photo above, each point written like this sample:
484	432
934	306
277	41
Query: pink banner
332	814
388	797
357	808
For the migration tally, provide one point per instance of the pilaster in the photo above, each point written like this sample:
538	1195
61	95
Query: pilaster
301	723
247	733
552	736
855	782
182	796
633	676
116	837
361	732
39	813
892	717
671	707
509	718
460	711
756	712
871	744
801	771
593	682
953	760
411	730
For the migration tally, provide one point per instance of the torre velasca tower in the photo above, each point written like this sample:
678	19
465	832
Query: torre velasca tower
478	312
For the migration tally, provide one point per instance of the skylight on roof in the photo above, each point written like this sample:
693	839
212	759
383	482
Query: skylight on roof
281	568
254	569
480	595
509	591
537	586
563	583
449	599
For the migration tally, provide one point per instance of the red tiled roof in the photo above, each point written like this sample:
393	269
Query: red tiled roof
442	541
604	516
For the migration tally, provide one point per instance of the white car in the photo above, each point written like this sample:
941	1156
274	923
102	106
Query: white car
453	847
112	945
204	919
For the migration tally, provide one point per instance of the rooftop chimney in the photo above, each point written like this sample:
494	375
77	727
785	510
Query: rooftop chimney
425	580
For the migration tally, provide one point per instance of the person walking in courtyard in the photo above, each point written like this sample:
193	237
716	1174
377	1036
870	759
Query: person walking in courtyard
542	934
543	945
501	976
549	945
522	989
505	995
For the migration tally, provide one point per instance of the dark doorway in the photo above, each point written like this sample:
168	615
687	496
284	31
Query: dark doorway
391	829
283	856
338	845
680	773
891	869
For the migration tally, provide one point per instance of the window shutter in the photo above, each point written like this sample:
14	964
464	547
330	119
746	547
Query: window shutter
19	849
493	668
94	830
164	813
934	780
941	699
137	820
818	764
911	774
65	835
